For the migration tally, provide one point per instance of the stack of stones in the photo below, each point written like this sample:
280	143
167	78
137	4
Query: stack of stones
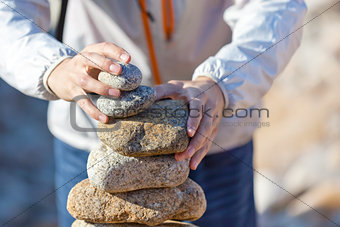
134	179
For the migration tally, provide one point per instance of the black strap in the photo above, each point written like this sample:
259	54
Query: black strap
61	22
150	16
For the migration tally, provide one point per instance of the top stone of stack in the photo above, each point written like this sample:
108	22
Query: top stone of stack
128	80
133	99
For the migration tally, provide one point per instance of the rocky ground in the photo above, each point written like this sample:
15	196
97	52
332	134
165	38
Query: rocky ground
301	149
26	161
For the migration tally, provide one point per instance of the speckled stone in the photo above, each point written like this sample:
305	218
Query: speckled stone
80	223
128	104
113	172
145	206
161	129
129	78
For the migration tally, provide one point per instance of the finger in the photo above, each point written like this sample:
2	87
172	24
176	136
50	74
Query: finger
199	155
166	91
95	60
197	141
92	85
91	110
110	50
195	116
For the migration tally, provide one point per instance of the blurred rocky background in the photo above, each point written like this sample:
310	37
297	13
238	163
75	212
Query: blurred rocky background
300	151
26	161
297	157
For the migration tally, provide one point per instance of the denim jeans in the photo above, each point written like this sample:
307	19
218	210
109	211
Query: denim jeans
226	178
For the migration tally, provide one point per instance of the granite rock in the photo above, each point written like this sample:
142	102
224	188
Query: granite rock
129	78
80	223
161	129
129	103
145	206
113	172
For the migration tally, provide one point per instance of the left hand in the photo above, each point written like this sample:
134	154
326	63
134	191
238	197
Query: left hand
206	103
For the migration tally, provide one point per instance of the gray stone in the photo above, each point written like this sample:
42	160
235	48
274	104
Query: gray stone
128	104
113	172
146	206
161	129
129	78
80	223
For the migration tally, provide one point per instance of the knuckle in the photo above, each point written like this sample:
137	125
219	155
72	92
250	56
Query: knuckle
83	80
106	64
105	45
103	90
196	144
195	103
89	55
187	155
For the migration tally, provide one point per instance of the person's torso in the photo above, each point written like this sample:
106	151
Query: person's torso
198	32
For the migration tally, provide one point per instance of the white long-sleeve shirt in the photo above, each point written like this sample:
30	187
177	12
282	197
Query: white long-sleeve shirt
241	46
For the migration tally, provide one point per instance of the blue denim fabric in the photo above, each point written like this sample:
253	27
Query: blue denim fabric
227	180
70	167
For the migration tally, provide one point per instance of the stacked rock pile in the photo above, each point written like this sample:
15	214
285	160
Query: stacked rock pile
134	179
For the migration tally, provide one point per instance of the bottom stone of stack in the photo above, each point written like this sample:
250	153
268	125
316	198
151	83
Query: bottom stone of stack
79	223
145	206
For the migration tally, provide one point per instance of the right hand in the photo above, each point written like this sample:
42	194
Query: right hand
79	74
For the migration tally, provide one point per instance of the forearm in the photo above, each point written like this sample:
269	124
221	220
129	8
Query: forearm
27	51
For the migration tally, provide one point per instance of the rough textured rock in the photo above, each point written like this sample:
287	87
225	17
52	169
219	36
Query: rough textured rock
80	223
113	172
128	104
145	206
129	79
161	129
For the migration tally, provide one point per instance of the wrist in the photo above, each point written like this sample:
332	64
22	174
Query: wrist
51	71
203	78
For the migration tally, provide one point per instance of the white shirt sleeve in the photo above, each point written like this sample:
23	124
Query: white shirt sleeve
261	47
27	51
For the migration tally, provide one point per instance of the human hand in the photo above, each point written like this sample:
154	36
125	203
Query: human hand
77	75
206	103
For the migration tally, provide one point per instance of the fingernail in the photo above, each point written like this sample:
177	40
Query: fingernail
191	132
114	92
102	118
114	68
124	57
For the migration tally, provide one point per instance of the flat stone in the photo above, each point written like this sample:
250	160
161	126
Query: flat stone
145	206
129	78
129	103
113	172
161	129
80	223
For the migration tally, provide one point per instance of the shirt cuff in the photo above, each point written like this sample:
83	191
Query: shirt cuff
48	73
203	70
